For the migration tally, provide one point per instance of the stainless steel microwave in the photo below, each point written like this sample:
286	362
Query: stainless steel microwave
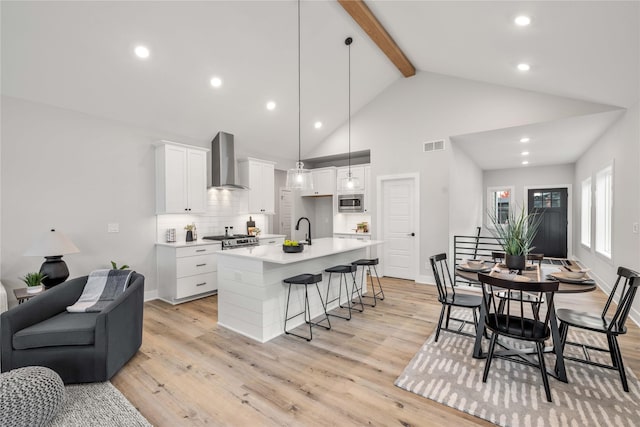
350	203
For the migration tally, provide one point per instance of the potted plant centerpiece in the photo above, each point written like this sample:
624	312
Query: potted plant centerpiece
516	235
34	282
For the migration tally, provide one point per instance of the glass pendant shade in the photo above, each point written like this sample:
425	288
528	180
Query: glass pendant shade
350	182
299	178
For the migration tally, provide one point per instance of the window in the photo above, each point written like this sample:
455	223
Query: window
585	213
604	205
547	199
498	204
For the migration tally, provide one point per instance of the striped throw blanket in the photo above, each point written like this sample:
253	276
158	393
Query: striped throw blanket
103	286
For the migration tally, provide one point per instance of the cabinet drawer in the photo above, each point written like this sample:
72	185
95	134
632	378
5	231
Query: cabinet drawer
192	265
194	285
197	250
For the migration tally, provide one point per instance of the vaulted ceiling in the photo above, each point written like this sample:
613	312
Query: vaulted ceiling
79	56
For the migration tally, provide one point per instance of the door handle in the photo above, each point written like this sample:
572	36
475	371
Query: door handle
411	234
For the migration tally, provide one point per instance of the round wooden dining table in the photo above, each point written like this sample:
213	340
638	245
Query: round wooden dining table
534	274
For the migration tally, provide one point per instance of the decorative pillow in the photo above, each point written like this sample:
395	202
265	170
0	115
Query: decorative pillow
103	286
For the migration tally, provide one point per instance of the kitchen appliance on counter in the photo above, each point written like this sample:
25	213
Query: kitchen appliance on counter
351	203
233	241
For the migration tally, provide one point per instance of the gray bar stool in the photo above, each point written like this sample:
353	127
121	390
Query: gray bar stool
305	280
343	270
368	263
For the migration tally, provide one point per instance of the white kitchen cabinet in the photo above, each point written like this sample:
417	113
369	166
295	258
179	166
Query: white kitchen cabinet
259	176
271	240
324	182
187	272
181	178
356	172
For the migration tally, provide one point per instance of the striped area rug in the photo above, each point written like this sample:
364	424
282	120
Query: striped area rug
513	394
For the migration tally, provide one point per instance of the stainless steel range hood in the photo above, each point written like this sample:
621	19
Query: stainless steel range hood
223	165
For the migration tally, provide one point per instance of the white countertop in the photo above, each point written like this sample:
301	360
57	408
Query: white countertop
270	236
320	248
352	233
199	242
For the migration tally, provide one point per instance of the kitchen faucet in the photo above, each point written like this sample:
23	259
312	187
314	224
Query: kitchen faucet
308	222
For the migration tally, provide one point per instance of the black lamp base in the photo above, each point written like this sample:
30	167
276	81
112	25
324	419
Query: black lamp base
55	269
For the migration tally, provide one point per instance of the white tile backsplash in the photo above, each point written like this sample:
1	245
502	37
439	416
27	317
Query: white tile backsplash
224	208
347	223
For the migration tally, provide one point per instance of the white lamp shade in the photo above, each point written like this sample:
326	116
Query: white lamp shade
52	243
299	178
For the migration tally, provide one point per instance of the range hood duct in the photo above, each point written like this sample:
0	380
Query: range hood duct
223	163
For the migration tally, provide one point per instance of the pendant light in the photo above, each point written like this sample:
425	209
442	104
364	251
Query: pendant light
299	178
350	182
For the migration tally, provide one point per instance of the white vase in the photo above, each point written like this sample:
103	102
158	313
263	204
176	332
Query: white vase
34	289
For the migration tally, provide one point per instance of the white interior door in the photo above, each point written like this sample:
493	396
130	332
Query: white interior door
398	228
286	209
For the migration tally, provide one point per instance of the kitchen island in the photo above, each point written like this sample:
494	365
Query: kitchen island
251	292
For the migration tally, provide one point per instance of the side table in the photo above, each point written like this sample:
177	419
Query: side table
22	295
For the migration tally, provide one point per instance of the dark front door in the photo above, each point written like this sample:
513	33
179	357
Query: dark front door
551	203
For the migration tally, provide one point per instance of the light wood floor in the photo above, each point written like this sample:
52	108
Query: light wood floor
189	371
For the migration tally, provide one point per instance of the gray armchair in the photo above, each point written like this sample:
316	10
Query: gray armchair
80	347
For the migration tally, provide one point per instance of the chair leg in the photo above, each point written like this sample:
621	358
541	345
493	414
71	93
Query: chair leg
543	370
378	279
535	307
373	289
487	365
440	322
346	292
307	309
623	374
475	320
612	353
326	302
354	288
286	311
329	287
446	324
324	309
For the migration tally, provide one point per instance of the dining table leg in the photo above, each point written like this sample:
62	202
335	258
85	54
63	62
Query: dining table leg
477	347
560	370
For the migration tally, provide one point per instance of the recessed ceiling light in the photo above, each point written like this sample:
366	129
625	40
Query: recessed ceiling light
317	125
216	81
525	139
271	105
524	153
525	162
524	67
522	20
141	52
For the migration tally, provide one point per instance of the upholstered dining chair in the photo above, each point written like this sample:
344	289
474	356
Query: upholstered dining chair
627	283
514	323
448	297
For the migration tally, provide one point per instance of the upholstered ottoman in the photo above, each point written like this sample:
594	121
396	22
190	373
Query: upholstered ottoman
30	396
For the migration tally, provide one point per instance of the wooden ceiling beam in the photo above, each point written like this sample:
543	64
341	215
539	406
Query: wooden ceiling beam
370	24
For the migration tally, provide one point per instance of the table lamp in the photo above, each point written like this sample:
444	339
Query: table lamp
53	245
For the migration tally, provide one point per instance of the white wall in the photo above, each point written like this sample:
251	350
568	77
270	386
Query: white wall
431	106
620	144
76	173
465	198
